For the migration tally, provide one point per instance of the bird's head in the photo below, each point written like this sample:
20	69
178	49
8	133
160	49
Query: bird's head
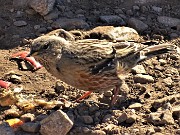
47	47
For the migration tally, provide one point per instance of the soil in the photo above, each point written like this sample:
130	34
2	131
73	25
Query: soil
41	84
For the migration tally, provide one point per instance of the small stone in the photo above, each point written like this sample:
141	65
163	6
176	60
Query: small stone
139	69
52	15
139	78
97	132
178	131
15	79
150	131
157	9
135	8
122	117
176	111
162	62
16	36
135	106
13	112
168	21
108	93
129	12
36	27
174	35
112	20
143	9
131	119
20	23
30	11
59	87
6	129
87	119
137	24
31	127
70	24
168	81
56	123
43	7
27	117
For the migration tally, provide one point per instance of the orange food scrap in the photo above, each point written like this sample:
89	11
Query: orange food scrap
15	123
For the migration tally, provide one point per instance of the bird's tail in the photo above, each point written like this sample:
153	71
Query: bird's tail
155	50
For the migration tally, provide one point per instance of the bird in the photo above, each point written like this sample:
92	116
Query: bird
92	65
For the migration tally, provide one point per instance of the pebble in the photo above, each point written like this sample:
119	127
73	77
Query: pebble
129	12
87	119
161	118
122	117
112	20
143	9
136	8
137	24
52	15
162	62
56	123
139	69
36	27
168	81
97	132
108	93
31	127
157	9
131	118
173	35
176	111
139	78
70	24
135	106
150	131
15	79
59	87
43	7
6	129
170	21
20	23
27	117
13	112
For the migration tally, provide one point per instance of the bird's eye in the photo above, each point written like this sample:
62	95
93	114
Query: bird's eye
46	46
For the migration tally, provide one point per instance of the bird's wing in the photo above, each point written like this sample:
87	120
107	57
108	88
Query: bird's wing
98	54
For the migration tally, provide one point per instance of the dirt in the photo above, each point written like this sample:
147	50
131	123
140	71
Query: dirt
41	85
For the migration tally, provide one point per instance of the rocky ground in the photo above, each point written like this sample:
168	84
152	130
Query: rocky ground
150	99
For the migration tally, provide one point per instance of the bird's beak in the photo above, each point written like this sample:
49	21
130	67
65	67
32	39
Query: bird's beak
32	53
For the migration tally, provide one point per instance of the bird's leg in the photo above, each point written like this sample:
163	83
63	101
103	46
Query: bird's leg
84	96
116	92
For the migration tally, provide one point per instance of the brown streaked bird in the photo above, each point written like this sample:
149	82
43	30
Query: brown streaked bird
92	65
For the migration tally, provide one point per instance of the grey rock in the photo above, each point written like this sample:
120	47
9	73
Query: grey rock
129	12
139	78
56	123
144	9
139	69
70	24
157	9
87	119
174	35
137	24
20	3
52	15
6	129
112	20
135	8
170	21
43	7
135	106
20	23
31	127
